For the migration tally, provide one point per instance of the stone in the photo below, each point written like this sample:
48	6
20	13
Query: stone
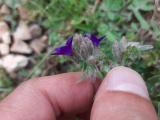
38	45
5	10
44	39
5	33
23	13
21	47
6	38
4	49
12	62
35	30
22	32
3	27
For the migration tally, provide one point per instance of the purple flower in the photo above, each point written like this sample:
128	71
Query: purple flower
96	41
66	49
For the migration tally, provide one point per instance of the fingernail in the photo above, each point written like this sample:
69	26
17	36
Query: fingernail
126	80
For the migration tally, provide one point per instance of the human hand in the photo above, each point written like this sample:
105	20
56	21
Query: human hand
121	96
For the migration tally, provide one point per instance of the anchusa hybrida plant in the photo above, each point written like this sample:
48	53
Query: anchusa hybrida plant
84	50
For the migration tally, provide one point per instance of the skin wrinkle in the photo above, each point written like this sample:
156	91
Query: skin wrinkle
35	89
27	92
54	105
46	97
53	102
12	106
67	92
4	109
64	93
74	95
92	100
88	96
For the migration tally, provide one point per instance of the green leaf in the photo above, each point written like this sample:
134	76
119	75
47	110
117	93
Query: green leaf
53	39
111	36
131	36
145	5
144	24
113	5
111	15
103	28
134	26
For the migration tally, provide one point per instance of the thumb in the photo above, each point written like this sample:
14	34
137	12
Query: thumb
123	96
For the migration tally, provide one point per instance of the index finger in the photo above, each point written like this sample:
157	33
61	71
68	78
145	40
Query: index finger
47	98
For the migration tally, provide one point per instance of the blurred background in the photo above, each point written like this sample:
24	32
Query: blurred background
29	28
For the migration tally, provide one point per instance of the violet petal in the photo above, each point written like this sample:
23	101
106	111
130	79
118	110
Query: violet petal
66	49
96	41
101	38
